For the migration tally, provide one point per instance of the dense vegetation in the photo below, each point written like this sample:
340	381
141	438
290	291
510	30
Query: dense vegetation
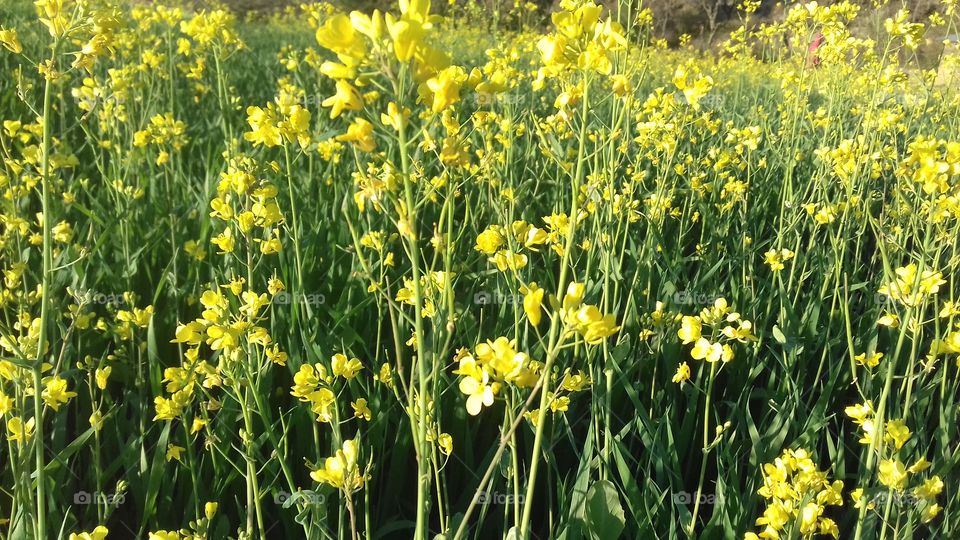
395	274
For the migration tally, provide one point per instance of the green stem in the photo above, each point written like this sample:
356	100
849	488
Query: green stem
555	323
41	524
706	445
423	353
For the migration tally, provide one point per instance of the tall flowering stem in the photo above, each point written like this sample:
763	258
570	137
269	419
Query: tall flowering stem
41	526
555	334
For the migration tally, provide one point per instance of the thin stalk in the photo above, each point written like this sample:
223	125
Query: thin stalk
423	353
41	524
556	321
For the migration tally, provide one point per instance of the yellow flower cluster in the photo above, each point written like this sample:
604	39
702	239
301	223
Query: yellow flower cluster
584	320
933	164
725	326
493	364
164	131
342	470
246	201
361	40
912	289
283	120
98	533
432	286
775	259
313	384
580	40
693	84
213	29
229	324
797	495
891	471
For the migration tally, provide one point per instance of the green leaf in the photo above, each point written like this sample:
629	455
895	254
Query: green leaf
605	519
155	476
778	335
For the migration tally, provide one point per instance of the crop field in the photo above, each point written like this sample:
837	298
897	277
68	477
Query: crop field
430	272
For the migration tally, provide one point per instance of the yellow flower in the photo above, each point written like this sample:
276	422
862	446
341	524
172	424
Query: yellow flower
346	98
930	512
909	288
341	471
532	302
775	258
96	420
501	360
828	527
690	329
490	240
306	382
385	376
62	232
574	295
322	403
55	392
475	384
930	488
871	360
368	25
210	509
360	409
342	367
101	375
445	442
508	260
742	333
892	474
553	51
9	39
263	127
408	32
897	433
683	373
173	452
921	465
164	535
443	89
360	134
575	382
169	409
19	431
809	516
560	404
593	325
711	352
338	35
395	117
693	85
225	241
99	533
